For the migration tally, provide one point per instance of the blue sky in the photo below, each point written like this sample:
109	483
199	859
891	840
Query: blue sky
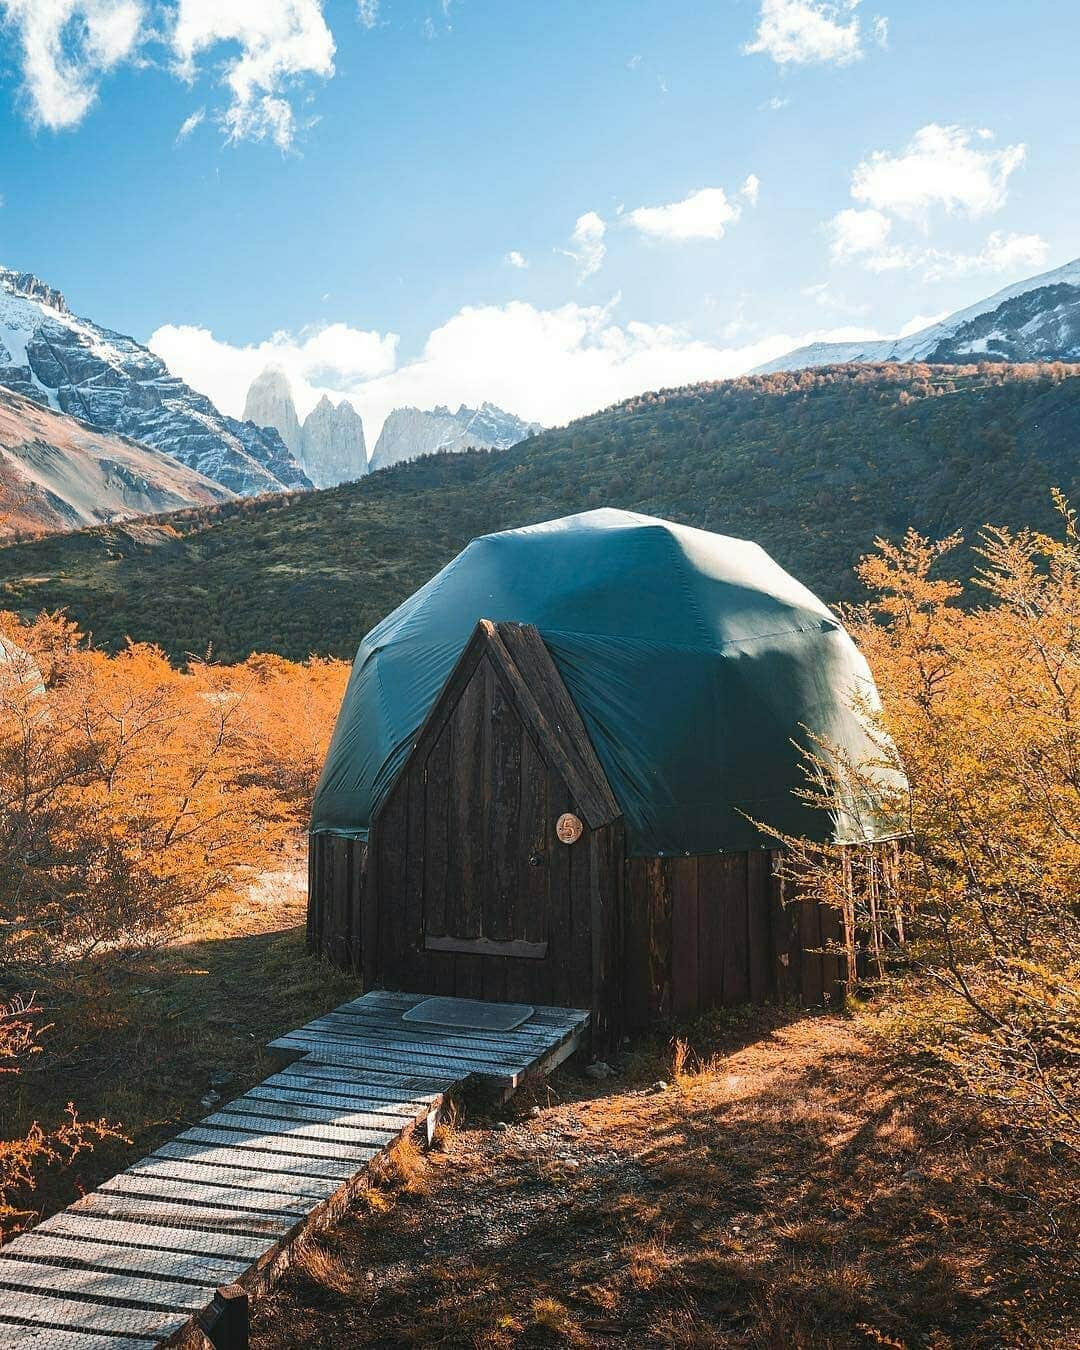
548	204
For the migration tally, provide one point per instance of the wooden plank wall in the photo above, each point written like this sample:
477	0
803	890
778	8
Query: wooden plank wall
678	935
337	870
716	930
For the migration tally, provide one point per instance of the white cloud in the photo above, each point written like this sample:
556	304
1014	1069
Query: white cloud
704	214
939	167
188	125
333	357
804	32
279	40
1000	253
367	11
881	30
66	47
866	237
548	365
773	104
587	247
633	63
516	259
859	234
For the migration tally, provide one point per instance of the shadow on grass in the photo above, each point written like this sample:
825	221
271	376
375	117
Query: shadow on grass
802	1191
136	1039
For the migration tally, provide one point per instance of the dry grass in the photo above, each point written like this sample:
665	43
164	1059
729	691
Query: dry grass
796	1187
136	1039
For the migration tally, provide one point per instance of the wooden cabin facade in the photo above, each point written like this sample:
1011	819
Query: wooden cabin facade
496	868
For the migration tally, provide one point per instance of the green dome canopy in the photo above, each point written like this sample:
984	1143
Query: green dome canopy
694	660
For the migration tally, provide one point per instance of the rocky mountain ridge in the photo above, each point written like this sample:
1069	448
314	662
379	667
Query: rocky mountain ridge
58	474
409	433
329	443
1037	319
113	383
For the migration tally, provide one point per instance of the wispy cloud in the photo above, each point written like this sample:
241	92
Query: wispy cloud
367	11
280	41
65	49
587	247
866	237
546	364
188	125
516	259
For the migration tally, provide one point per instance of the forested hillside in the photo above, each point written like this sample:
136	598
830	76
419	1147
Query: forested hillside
813	465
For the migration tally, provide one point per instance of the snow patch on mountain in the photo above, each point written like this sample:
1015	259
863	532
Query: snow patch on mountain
59	474
934	343
113	383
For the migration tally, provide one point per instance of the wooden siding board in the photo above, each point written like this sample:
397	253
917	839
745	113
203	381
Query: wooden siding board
636	968
392	853
437	815
581	904
783	924
711	876
685	959
759	929
559	896
658	895
831	928
413	957
734	927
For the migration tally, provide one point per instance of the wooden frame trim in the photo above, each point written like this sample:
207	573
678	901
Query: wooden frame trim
564	747
529	951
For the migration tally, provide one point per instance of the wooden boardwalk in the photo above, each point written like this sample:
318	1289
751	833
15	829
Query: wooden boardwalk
137	1263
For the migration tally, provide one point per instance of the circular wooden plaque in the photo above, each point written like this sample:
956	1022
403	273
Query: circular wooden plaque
568	828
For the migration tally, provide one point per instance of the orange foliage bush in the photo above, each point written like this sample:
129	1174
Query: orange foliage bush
131	793
982	706
20	1159
132	797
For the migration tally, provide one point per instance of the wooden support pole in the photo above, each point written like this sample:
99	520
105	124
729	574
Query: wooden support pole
226	1322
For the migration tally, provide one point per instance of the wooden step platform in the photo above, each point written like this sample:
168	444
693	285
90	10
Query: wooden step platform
137	1263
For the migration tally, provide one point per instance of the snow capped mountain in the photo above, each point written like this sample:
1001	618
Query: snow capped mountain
108	380
1033	320
410	432
332	446
60	474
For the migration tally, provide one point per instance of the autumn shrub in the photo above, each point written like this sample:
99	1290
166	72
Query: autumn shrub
982	704
134	799
59	1143
132	793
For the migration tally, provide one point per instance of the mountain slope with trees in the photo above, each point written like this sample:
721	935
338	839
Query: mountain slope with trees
813	465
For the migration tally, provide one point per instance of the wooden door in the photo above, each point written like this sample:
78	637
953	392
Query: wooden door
488	873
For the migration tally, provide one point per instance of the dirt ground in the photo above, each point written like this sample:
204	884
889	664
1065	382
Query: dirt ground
803	1188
